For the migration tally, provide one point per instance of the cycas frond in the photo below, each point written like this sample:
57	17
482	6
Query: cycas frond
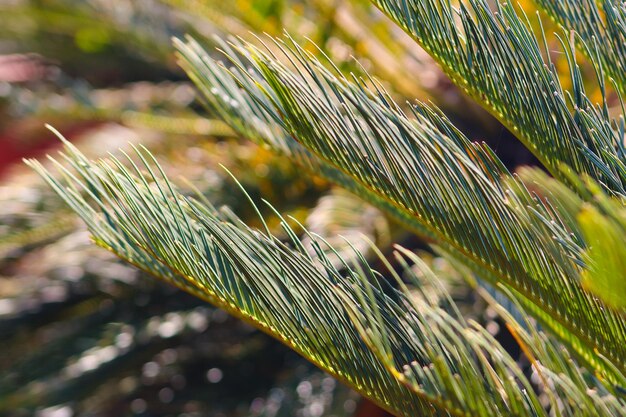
558	373
561	198
606	253
564	384
601	25
423	172
317	309
495	58
215	256
600	222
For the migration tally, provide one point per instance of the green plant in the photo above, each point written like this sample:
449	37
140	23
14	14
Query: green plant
551	245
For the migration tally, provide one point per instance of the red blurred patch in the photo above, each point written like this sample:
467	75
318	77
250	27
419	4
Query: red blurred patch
22	141
21	68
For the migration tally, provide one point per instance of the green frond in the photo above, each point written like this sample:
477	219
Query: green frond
603	225
422	171
565	201
599	221
213	255
606	256
602	27
558	373
570	394
494	57
414	358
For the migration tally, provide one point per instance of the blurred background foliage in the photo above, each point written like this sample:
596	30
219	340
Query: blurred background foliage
84	334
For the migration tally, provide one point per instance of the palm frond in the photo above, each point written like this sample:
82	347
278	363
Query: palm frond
494	57
600	221
421	170
606	254
561	198
562	381
556	371
150	224
341	320
602	27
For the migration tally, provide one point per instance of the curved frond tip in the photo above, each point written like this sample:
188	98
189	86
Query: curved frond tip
412	358
419	169
489	50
